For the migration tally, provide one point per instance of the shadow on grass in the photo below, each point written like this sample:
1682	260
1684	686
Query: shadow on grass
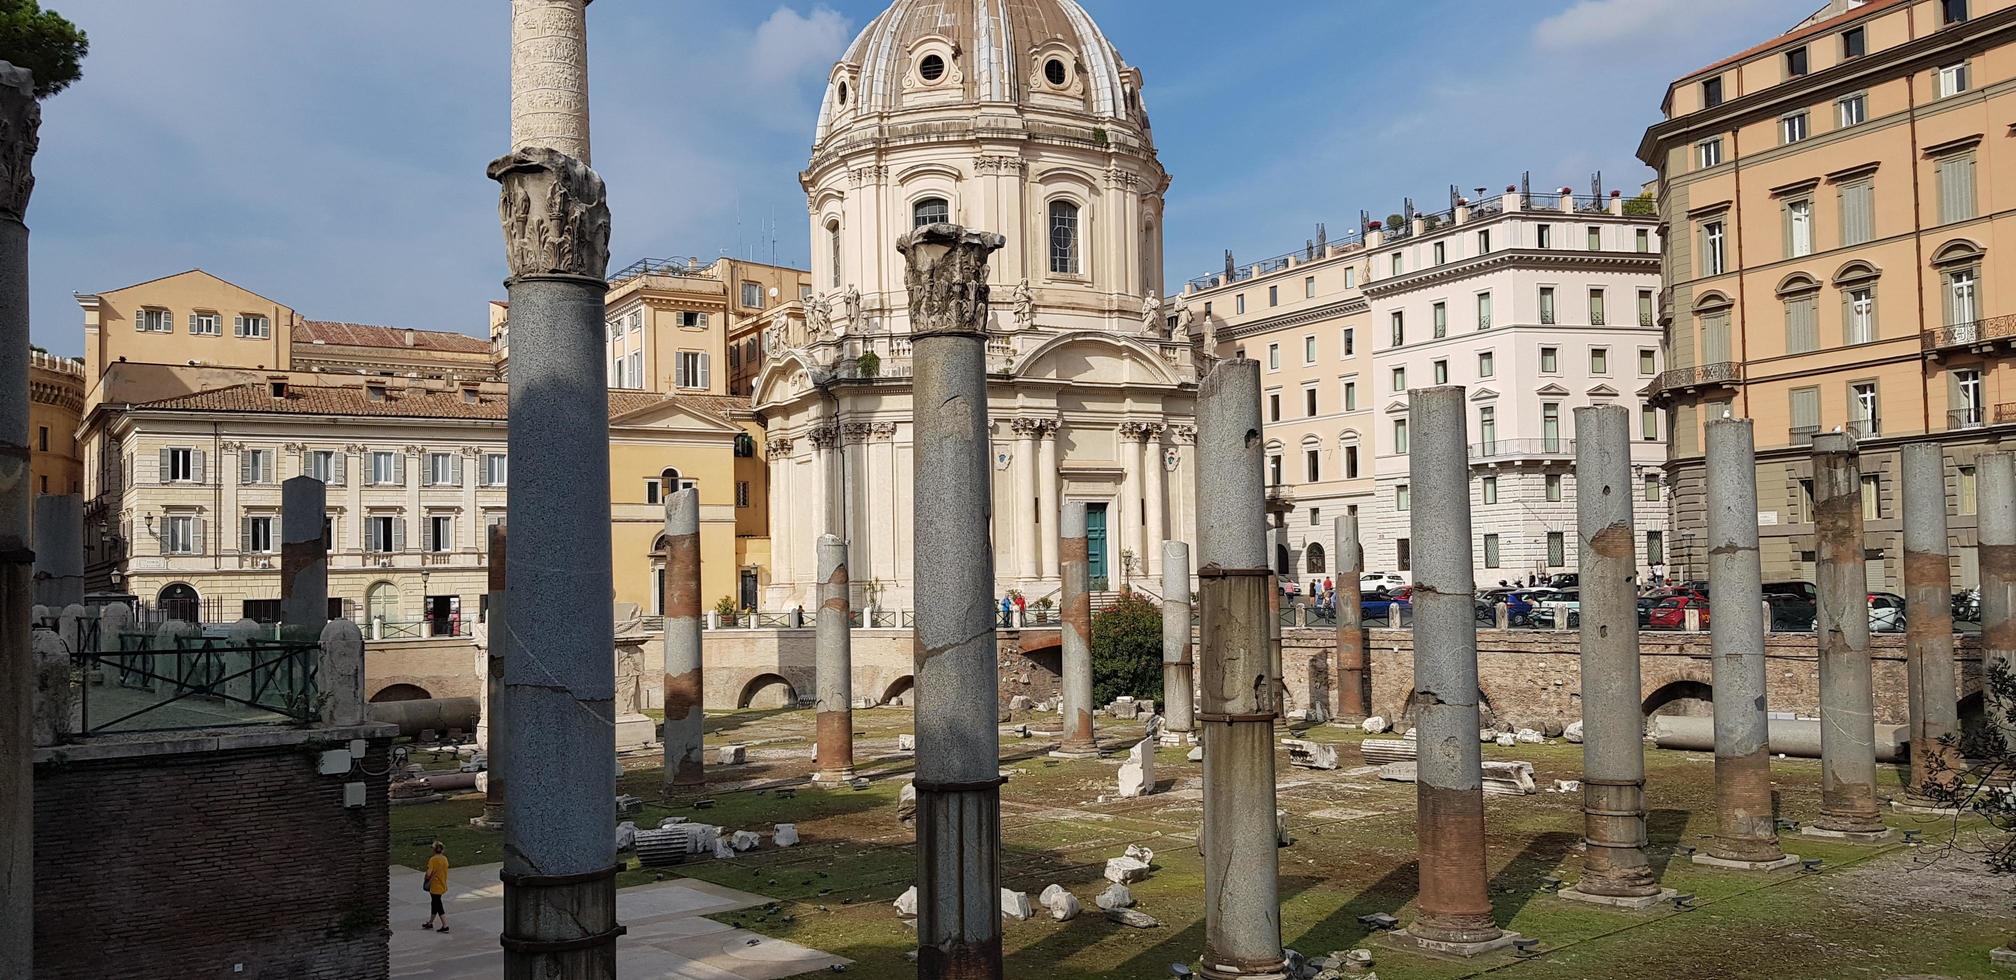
1519	880
1663	831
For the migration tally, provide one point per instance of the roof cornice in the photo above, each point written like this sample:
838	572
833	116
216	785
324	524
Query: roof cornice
1549	259
1328	311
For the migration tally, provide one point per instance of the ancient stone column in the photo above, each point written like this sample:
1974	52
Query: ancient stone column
1455	910
834	719
685	723
1615	870
1179	685
1746	835
1353	673
1075	611
1847	700
1242	917
1932	690
496	654
304	556
59	550
20	121
1996	490
958	745
559	855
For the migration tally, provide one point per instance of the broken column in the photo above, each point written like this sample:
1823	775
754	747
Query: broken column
59	550
1075	612
1614	866
834	717
1455	910
685	723
559	855
1847	701
1746	834
496	734
304	556
1997	523
1178	670
1353	682
958	745
1932	691
1242	924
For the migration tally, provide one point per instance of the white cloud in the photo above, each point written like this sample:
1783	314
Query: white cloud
789	43
1597	22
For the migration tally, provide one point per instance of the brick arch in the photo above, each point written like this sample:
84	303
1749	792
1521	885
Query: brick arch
900	688
762	689
1689	695
400	692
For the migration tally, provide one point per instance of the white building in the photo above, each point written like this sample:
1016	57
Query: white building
1538	305
1017	117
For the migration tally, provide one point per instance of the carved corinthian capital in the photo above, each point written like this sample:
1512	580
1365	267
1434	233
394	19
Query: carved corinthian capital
947	278
555	212
20	126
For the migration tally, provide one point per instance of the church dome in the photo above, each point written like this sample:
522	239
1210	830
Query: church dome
1044	54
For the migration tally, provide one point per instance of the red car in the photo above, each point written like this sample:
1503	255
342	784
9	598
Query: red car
1671	612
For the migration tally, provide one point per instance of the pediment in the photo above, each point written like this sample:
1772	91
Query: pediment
1483	395
1552	391
1093	358
1602	391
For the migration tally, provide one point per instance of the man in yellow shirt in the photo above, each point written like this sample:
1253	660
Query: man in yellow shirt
436	884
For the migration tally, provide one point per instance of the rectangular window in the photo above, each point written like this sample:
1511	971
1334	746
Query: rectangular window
440	533
752	295
1487	364
1350	462
385	469
1400	436
1599	360
154	321
1648	361
1852	110
690	369
1864	412
1557	549
1652	488
690	318
1309	350
1403	498
1239	304
1550	426
1803	405
381	533
1274	471
1854	42
1490	489
1315	517
1644	240
1965	408
1648	424
1312	464
1956	188
1273	357
256	467
1655	548
1273	406
1795	63
1309	287
1350	277
1713	240
654	491
1553	484
1490	551
1597	313
1859	308
1858	211
1952	11
1483	311
496	470
1441	253
1399	380
1711	93
251	327
322	465
1872	497
1403	554
1962	297
1595	238
1550	360
1798	228
181	466
1441	372
1484	242
442	471
1397	262
205	325
1647	311
1547	305
1951	80
1309	402
258	535
1399	328
1350	342
1350	396
178	534
1441	321
1543	236
1273	296
1707	153
1487	428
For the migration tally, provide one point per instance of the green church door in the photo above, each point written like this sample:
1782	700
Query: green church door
1095	546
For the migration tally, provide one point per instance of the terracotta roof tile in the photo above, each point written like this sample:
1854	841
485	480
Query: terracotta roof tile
339	334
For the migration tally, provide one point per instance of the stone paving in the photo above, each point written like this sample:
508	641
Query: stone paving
669	936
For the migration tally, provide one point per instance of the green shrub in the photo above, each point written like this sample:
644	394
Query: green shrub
869	364
1127	650
1642	206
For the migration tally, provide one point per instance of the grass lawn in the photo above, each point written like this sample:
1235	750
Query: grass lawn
1890	911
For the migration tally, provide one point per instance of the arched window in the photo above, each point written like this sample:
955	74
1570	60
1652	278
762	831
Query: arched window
1064	229
180	601
931	211
1315	558
381	601
833	250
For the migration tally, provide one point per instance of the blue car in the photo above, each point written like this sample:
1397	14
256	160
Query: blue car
1374	607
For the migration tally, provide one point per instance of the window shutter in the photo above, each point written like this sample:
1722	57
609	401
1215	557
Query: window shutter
337	464
427	534
483	471
1802	327
455	468
398	469
196	466
427	470
244	466
245	536
399	534
1954	403
704	382
1806	408
167	472
197	541
364	533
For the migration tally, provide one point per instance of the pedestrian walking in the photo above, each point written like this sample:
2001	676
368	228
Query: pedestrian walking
436	884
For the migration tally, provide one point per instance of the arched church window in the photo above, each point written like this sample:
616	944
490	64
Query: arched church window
1064	238
931	211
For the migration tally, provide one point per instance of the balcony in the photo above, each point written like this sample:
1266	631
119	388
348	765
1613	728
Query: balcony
1721	374
1970	417
2005	413
1802	435
1982	334
1506	449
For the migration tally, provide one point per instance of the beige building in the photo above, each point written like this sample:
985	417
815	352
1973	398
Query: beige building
55	404
1303	316
1832	199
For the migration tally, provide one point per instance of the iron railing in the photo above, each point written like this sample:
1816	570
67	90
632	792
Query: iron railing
1719	372
683	268
1971	332
1971	417
1521	448
204	682
2005	413
1802	435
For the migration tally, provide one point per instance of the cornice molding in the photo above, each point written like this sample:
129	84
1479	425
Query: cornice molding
1299	318
1546	259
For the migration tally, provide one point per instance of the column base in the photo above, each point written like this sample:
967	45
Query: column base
833	778
1850	836
2002	958
1620	901
1710	861
1075	753
1177	739
1404	940
1221	972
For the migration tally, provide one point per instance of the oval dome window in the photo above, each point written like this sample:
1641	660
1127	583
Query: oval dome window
932	68
1054	71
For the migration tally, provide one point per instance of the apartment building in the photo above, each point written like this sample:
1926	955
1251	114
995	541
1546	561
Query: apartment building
1833	197
55	403
1539	304
1303	316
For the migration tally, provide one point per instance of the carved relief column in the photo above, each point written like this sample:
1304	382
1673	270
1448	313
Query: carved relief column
1047	493
1152	462
559	857
1022	510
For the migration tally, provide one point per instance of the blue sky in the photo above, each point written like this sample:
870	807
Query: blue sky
330	156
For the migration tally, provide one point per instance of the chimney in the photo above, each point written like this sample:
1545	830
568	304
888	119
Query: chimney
409	336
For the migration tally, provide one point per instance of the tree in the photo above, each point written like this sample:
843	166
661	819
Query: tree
42	42
1979	786
1127	650
1642	206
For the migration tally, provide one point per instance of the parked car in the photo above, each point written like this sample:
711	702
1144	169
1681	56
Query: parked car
1670	613
1375	607
1790	612
1562	609
1381	583
1518	611
1886	612
1564	580
1804	590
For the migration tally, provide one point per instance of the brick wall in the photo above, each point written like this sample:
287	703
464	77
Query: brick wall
189	863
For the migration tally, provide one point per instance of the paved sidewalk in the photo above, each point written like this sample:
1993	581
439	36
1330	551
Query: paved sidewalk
669	938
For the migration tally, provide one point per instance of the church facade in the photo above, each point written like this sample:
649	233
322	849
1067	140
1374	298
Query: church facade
1017	117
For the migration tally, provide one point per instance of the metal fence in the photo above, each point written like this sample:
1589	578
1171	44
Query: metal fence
201	682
